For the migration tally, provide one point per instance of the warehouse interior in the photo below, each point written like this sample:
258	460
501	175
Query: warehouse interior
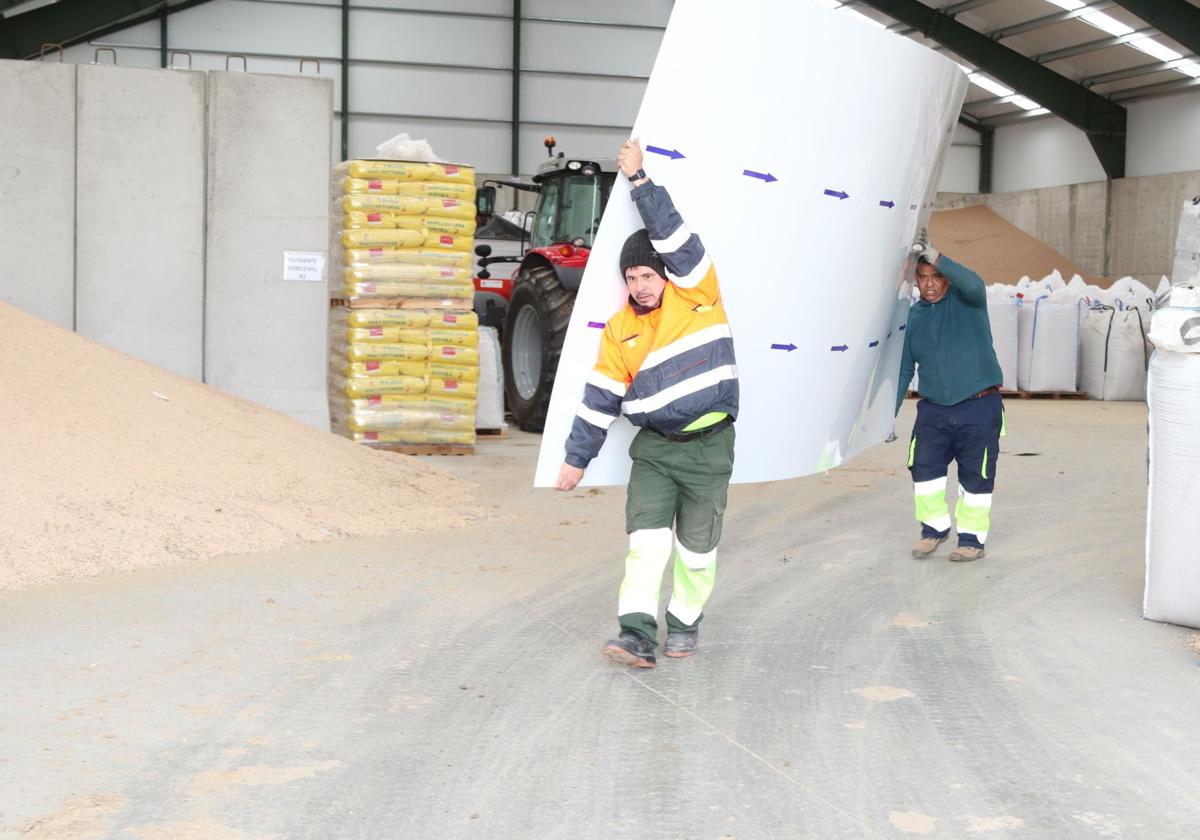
268	572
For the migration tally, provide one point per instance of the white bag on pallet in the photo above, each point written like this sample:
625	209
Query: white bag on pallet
1048	336
1172	526
1113	354
1003	315
489	406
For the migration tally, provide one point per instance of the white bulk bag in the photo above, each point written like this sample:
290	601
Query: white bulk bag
1048	343
1172	524
1176	326
1113	354
1002	313
489	404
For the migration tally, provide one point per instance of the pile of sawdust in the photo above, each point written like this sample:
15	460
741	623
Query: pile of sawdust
994	249
108	463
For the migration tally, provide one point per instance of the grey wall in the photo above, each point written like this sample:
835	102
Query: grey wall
140	214
1110	229
37	189
268	192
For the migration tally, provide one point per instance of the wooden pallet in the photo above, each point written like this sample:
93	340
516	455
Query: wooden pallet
426	448
492	434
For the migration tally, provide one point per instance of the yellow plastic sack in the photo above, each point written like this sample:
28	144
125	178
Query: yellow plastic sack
457	387
436	370
404	170
449	354
416	437
408	205
408	417
382	368
406	272
381	335
371	385
411	318
384	238
455	321
428	225
412	256
455	338
419	189
451	296
385	352
450	405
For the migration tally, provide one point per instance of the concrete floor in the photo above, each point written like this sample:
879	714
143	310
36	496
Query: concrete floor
451	686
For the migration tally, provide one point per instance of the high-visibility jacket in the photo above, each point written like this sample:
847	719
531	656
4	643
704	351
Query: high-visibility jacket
666	368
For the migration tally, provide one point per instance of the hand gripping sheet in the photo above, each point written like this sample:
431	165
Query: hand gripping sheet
804	148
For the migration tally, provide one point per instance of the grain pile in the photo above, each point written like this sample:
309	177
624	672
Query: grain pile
108	463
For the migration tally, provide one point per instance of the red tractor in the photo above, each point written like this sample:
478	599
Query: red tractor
534	310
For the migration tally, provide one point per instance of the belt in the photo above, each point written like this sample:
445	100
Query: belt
680	437
986	392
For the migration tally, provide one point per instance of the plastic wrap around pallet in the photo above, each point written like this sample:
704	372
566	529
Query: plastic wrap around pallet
1172	527
1048	348
1113	353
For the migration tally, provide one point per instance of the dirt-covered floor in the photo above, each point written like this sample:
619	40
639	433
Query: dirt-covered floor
449	684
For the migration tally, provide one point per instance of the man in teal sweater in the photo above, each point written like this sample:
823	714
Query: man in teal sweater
960	416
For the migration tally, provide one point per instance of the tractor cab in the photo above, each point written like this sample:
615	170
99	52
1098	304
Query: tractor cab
534	308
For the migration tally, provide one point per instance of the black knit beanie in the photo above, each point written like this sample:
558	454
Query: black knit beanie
639	251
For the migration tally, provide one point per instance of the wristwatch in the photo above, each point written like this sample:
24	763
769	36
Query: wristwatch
639	175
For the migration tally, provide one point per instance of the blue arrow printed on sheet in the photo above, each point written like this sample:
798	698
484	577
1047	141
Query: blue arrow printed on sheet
787	347
839	348
673	154
765	177
873	344
840	195
887	204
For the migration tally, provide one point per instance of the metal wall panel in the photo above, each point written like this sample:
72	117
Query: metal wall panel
268	193
140	213
37	188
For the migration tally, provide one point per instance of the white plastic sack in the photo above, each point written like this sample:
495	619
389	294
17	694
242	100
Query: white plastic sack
1003	315
1187	244
1048	343
1113	353
403	147
1172	525
1176	326
489	404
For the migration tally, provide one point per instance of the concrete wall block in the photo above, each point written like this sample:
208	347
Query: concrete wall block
37	188
268	187
1088	207
140	213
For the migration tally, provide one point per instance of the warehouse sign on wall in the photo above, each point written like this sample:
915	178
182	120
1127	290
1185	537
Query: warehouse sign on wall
804	147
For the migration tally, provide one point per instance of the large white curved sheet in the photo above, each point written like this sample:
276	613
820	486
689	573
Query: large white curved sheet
805	149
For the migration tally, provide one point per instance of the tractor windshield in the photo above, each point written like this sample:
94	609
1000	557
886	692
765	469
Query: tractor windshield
570	207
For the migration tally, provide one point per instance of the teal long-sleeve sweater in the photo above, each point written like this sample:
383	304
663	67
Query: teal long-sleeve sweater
951	341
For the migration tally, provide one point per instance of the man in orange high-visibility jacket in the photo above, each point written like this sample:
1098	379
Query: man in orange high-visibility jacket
667	363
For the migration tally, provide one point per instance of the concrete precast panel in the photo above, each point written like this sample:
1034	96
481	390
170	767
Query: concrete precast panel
37	188
804	147
140	213
266	304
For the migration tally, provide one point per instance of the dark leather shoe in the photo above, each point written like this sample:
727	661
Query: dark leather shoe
630	649
683	643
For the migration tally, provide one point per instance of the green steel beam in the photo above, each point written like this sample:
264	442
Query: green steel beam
1102	120
70	22
345	80
1177	19
516	88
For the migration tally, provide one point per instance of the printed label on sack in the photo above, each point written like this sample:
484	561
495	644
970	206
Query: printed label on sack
376	331
374	185
449	319
451	169
372	365
375	400
451	384
449	202
446	239
368	288
375	252
447	272
374	217
449	351
372	435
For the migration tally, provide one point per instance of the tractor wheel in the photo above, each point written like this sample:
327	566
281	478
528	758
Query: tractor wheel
534	328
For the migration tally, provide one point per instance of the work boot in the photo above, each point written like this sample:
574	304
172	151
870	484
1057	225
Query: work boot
927	545
966	553
682	643
630	649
